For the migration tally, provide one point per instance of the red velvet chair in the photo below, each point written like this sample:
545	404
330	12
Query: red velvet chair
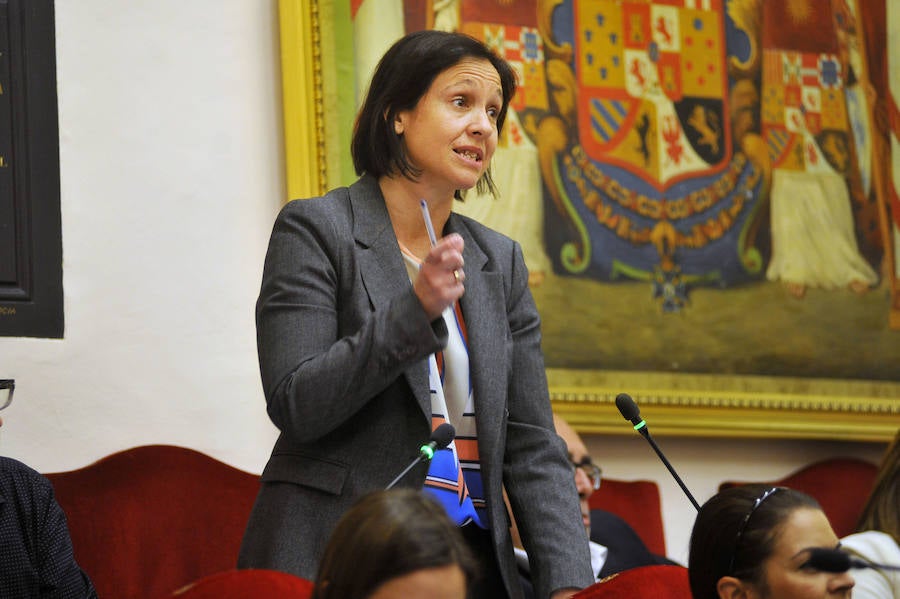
840	485
247	584
652	582
637	502
151	519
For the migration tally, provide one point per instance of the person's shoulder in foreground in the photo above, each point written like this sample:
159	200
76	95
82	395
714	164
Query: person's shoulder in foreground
37	558
881	548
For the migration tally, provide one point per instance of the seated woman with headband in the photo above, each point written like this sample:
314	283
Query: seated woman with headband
754	542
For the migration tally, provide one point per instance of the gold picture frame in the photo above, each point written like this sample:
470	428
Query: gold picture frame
302	97
673	404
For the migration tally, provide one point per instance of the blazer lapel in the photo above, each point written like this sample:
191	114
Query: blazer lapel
485	315
382	267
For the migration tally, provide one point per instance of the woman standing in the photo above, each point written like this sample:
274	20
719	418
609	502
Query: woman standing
372	332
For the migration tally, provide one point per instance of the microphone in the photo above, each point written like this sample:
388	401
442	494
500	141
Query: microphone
836	561
440	438
632	413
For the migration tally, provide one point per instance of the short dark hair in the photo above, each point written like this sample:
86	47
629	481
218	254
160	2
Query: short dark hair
716	551
402	77
385	535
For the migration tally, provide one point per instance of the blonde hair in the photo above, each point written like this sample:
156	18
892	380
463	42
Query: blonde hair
880	511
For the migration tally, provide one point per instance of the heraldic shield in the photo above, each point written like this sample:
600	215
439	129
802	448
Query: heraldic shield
659	174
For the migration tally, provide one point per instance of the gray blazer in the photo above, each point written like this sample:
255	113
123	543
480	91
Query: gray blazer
343	345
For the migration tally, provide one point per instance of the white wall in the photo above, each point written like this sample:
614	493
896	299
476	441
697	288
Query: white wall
171	170
171	164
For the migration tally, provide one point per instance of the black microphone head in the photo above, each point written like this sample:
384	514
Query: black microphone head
443	435
829	560
628	408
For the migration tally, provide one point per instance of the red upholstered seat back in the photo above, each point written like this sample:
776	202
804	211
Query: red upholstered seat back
247	584
652	582
151	519
840	485
637	502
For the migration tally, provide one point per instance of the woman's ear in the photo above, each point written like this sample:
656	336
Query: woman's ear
730	587
398	124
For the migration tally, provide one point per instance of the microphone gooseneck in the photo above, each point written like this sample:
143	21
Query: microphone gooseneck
440	438
443	435
836	561
632	413
829	560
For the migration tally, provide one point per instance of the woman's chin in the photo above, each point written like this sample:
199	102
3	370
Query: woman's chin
470	181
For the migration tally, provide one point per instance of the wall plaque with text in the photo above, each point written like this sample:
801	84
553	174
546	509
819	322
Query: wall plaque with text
31	296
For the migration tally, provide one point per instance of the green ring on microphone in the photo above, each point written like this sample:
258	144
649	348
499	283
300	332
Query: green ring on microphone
640	425
427	451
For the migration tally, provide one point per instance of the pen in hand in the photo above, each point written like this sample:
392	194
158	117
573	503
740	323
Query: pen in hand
431	235
428	225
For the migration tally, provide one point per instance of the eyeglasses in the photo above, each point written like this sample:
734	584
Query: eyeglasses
737	541
590	469
7	386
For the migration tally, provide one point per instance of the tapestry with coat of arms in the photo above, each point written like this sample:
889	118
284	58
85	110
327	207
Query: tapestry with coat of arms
644	118
656	127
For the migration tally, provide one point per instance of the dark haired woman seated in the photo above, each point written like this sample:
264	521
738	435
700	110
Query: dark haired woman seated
754	541
396	544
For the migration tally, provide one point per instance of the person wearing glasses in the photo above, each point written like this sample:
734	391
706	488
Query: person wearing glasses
36	557
624	547
614	545
754	541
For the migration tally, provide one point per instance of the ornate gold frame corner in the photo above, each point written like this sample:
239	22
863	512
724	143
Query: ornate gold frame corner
302	95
